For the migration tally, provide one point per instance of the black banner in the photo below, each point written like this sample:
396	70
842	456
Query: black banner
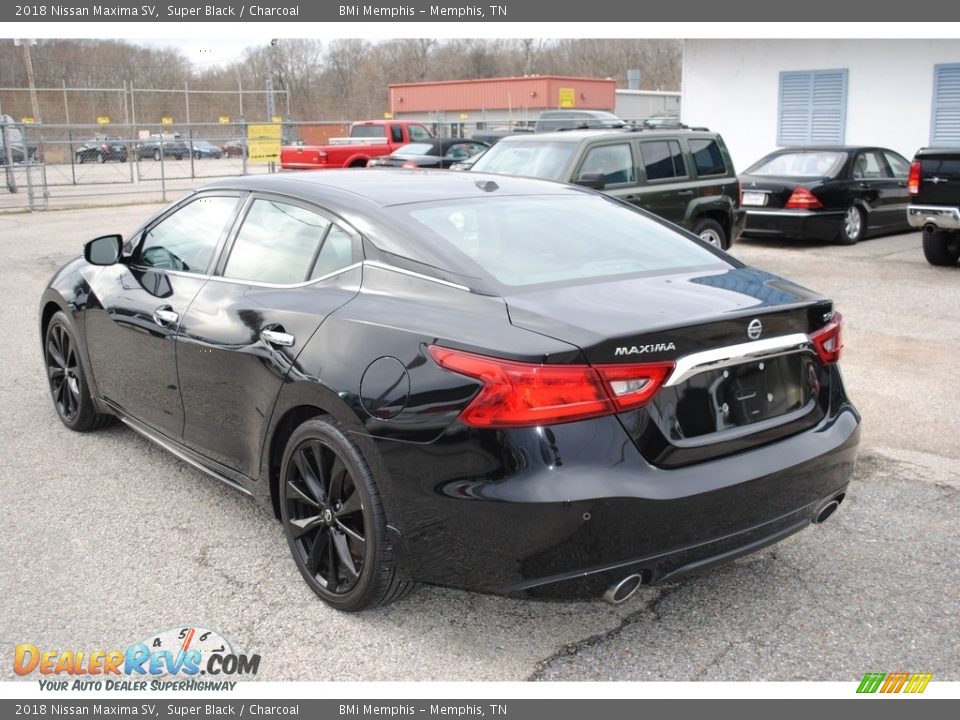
484	11
356	709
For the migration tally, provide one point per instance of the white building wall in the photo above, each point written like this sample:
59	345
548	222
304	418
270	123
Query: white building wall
731	86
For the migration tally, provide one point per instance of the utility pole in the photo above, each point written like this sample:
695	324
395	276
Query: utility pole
28	63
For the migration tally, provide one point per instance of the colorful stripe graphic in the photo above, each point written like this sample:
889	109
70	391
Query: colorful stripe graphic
894	682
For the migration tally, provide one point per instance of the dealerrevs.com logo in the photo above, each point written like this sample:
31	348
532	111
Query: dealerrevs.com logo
183	658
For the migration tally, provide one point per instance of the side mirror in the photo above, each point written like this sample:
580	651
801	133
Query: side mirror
595	181
104	250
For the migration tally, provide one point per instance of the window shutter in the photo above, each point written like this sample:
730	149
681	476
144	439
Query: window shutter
946	105
812	107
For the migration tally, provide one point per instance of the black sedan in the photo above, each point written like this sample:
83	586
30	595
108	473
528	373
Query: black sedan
205	149
101	149
486	382
438	153
830	193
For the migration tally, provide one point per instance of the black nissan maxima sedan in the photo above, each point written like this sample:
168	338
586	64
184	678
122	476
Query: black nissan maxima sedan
830	193
487	382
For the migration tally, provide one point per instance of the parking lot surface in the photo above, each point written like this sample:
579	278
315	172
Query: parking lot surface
109	539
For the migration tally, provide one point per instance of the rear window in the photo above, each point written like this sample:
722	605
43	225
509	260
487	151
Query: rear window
415	149
822	163
547	160
707	157
368	131
533	240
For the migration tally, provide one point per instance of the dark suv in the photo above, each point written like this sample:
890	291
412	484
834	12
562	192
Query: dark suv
934	187
160	145
683	175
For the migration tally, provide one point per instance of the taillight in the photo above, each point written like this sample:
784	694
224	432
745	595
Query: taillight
803	199
828	340
913	179
518	394
321	156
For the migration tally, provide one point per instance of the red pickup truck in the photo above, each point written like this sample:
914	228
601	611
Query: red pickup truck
368	139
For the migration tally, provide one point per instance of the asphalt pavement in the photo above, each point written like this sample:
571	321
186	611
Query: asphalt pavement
108	539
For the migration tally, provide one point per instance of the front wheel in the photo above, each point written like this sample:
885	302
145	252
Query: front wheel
79	158
941	247
67	378
334	519
854	224
711	231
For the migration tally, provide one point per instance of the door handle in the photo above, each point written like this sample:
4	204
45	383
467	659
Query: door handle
165	316
864	186
276	337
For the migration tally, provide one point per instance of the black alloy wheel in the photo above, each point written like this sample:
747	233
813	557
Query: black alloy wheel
334	520
68	385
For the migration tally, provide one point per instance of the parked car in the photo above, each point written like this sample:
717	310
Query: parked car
553	120
492	136
683	175
478	381
160	145
205	149
934	188
11	137
833	193
101	148
440	152
235	148
368	139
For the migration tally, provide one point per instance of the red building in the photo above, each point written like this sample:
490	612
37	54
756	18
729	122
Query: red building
498	101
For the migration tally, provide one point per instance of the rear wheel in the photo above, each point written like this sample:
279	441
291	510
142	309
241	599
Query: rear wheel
67	378
100	158
711	231
853	226
79	158
941	247
156	155
334	519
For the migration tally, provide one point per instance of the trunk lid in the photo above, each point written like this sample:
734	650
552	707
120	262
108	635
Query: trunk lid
745	373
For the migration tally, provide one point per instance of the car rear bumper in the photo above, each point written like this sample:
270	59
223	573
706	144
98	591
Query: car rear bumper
566	511
794	224
944	218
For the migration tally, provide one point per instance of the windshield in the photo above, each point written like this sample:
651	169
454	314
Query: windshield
542	159
415	149
815	163
535	239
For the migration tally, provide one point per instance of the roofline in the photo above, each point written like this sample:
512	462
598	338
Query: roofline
477	81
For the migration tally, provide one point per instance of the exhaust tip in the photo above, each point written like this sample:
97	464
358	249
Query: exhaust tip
827	510
623	590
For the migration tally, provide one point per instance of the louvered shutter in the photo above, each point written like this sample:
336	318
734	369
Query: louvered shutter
946	105
812	107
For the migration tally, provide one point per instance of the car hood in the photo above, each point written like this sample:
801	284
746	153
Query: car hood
667	316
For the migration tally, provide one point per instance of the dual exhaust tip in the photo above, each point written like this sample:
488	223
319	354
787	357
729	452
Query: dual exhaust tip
624	589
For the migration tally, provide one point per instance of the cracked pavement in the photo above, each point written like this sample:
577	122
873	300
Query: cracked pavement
109	538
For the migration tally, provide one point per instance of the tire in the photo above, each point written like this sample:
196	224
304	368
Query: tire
157	155
941	247
68	379
79	159
334	520
853	226
100	158
710	231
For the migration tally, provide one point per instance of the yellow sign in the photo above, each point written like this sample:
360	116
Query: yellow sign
166	120
568	97
277	118
27	120
224	119
263	142
388	116
464	116
103	120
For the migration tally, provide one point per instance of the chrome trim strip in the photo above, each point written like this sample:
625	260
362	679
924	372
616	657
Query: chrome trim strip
285	286
183	456
411	273
944	217
695	363
792	213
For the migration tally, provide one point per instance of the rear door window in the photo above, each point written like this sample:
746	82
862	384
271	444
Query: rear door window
662	159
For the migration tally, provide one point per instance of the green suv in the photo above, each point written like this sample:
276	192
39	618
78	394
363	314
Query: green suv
683	175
